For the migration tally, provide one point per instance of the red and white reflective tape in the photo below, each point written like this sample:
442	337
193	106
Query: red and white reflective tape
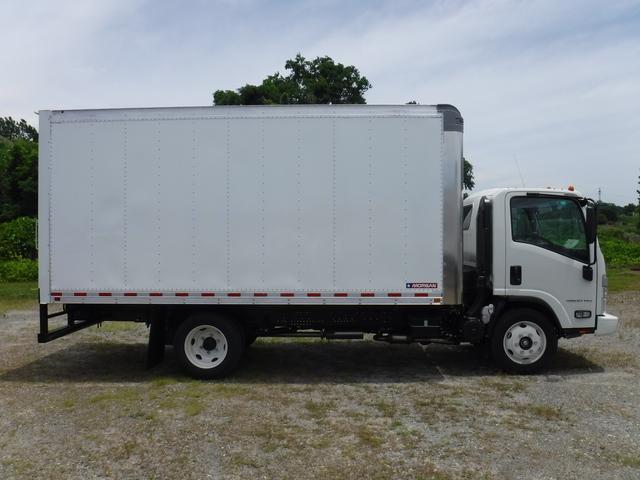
58	295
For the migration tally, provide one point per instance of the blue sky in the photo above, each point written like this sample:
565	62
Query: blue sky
551	87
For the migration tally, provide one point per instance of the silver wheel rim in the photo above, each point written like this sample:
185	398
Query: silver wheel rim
205	346
524	343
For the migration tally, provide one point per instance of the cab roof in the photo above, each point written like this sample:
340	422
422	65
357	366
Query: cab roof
493	192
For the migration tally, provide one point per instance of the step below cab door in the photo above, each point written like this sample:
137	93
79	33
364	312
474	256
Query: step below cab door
546	251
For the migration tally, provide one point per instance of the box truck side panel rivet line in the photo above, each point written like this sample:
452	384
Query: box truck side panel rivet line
276	242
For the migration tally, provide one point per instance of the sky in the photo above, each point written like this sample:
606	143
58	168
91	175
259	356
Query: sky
550	90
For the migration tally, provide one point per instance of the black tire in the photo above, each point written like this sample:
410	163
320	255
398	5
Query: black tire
524	341
224	351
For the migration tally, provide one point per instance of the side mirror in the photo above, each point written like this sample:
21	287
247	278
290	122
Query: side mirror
592	224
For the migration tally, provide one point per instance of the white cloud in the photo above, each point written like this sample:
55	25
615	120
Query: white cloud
551	83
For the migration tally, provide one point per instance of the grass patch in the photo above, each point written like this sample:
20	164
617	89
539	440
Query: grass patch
508	387
631	461
610	359
369	437
18	296
145	415
193	407
113	327
386	409
514	423
442	407
623	279
546	412
319	410
119	395
228	390
20	466
163	381
168	403
408	436
242	460
125	450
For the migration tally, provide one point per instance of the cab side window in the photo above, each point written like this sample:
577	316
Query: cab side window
555	224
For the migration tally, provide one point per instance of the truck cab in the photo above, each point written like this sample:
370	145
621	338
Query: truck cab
532	261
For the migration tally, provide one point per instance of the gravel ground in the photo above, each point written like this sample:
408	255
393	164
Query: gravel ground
85	407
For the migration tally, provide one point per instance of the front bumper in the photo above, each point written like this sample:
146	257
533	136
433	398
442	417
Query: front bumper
607	324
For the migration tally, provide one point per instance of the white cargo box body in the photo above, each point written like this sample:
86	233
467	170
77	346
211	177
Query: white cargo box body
250	205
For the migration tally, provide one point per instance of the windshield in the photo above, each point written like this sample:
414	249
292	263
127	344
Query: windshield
556	224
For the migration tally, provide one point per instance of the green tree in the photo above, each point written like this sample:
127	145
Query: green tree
468	182
18	169
609	211
321	80
12	130
18	239
629	209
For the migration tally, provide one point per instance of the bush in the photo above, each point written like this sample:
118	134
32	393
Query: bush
23	270
619	248
18	179
18	239
602	219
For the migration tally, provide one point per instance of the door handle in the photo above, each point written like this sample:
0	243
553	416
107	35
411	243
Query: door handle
515	273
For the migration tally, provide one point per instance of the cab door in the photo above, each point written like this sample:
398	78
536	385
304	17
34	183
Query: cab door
546	250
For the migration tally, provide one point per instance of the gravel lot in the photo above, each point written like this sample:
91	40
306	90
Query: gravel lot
85	407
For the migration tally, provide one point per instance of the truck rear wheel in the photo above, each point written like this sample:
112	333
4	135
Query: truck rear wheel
209	346
524	341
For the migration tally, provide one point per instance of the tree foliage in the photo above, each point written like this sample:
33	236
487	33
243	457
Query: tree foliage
468	181
12	130
18	239
23	270
321	80
18	169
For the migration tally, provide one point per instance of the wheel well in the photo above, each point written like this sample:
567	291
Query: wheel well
540	306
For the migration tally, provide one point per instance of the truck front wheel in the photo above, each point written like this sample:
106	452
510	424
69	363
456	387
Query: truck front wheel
524	341
209	346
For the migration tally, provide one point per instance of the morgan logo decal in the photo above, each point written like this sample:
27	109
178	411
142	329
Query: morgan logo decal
422	285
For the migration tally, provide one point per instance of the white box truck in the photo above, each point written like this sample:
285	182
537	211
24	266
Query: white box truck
217	225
